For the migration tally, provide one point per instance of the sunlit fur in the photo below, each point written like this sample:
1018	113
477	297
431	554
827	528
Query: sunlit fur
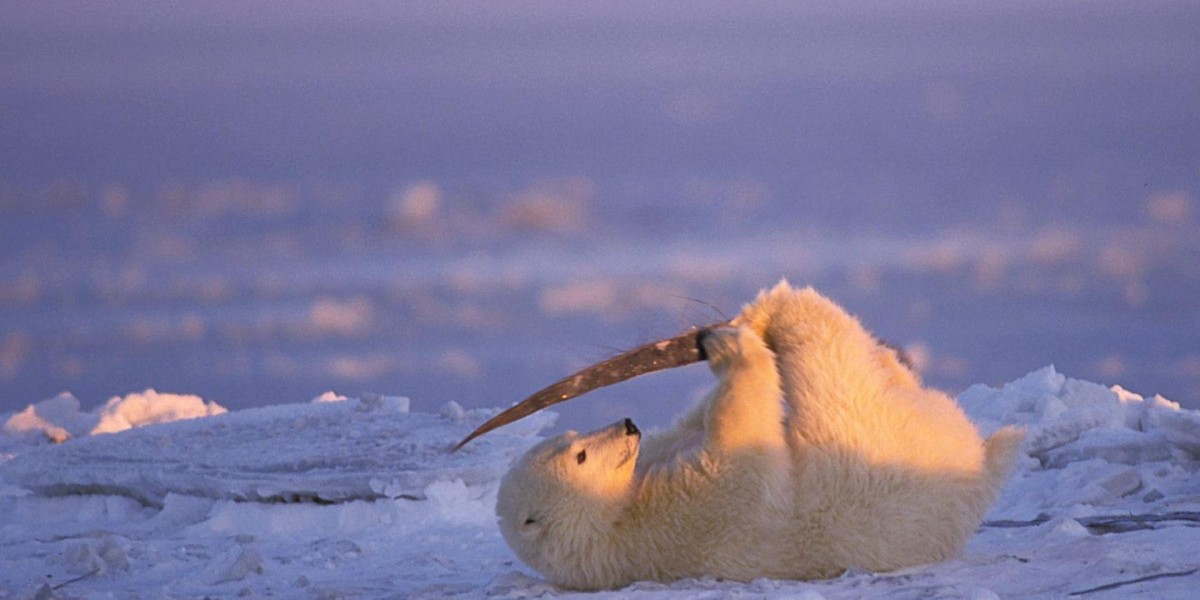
817	451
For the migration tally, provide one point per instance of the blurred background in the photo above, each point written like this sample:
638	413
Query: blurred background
260	202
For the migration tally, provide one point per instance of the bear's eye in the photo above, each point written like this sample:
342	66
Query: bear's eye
530	521
582	456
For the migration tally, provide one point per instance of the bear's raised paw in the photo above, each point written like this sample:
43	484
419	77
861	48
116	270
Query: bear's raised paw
727	346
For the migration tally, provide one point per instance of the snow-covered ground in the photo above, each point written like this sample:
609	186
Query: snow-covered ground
358	498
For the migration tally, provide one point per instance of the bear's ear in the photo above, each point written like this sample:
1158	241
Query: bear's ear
532	526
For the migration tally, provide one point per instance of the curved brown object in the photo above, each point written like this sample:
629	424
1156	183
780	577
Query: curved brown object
681	350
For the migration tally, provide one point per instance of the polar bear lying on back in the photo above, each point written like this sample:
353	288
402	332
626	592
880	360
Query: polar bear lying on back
817	451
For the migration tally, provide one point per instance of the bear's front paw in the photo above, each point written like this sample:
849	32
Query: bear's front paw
726	346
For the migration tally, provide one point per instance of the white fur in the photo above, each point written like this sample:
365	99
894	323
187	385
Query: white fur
817	451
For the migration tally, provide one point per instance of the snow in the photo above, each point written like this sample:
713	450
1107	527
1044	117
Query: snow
360	498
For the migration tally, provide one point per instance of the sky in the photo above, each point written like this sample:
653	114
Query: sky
1003	98
466	200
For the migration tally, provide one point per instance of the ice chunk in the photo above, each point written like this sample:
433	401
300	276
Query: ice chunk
1095	482
102	556
1030	400
1077	393
452	410
179	510
458	503
236	565
148	407
29	421
1065	429
371	402
1045	380
329	396
1181	428
1135	407
389	488
57	420
1064	527
1122	446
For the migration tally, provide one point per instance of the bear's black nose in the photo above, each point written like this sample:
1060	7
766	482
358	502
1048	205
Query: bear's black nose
630	428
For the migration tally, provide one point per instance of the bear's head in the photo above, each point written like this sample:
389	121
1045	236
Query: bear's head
565	493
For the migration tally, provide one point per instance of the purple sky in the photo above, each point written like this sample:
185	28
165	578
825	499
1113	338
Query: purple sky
185	187
998	99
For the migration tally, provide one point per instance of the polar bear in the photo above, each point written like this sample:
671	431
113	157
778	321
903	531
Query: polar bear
818	450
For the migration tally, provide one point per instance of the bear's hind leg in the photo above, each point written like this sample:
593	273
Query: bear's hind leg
745	410
832	371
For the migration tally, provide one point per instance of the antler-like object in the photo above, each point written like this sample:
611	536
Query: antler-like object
681	350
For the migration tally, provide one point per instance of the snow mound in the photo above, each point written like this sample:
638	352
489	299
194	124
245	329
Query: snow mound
60	418
1090	449
366	448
